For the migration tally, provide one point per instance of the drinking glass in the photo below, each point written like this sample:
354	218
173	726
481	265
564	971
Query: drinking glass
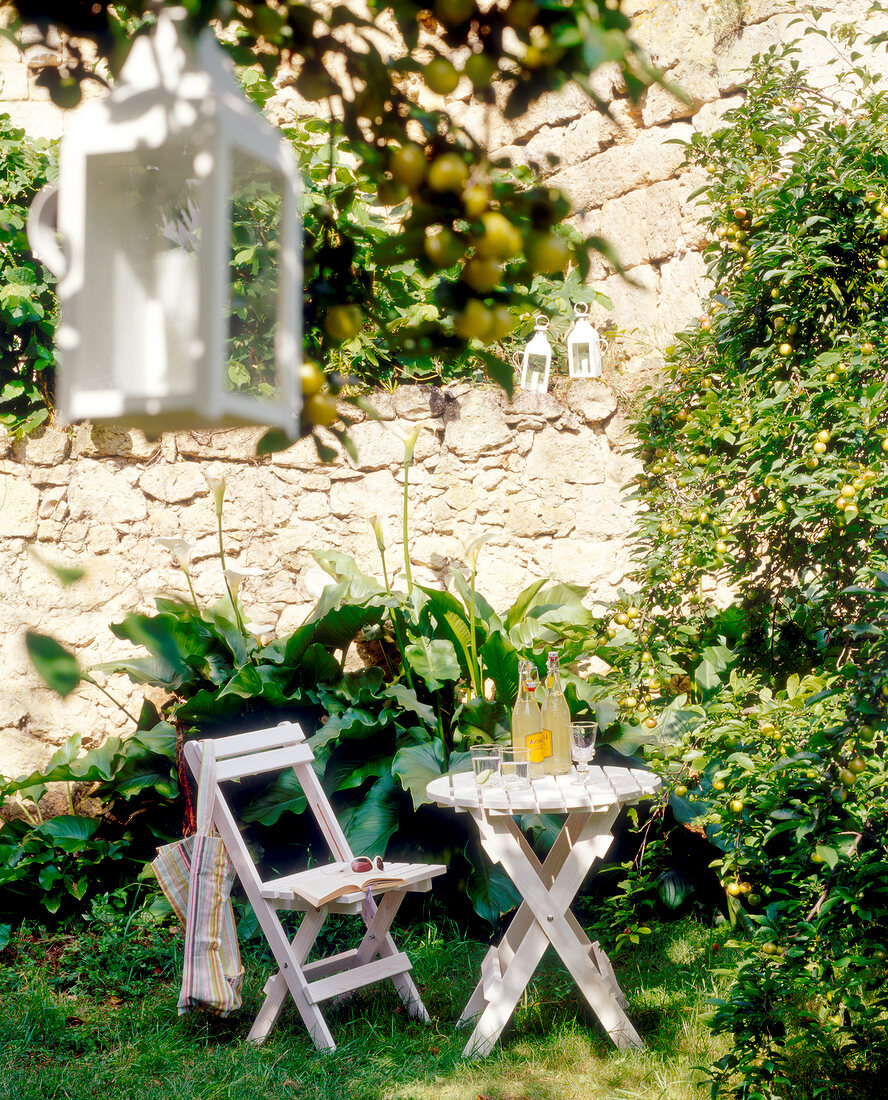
487	766
583	736
516	768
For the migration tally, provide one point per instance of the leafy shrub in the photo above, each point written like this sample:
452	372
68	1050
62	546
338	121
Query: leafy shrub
27	301
753	662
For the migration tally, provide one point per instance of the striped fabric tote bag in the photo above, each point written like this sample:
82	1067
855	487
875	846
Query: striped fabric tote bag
196	875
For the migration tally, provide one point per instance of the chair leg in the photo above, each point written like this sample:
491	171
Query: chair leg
378	940
277	987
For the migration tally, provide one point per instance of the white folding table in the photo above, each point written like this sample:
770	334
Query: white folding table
548	889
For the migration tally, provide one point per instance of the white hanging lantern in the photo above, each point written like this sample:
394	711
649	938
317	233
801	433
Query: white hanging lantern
536	360
180	272
584	346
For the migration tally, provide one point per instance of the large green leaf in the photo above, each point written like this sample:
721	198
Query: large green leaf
69	832
483	610
521	606
57	667
147	670
370	824
167	637
416	766
434	660
348	766
338	627
409	701
284	795
352	585
482	720
289	650
451	622
491	890
319	665
501	665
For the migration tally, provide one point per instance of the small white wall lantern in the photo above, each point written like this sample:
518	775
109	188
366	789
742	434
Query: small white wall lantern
536	360
178	253
584	346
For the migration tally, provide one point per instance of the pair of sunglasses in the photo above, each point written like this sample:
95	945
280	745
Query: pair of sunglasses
366	863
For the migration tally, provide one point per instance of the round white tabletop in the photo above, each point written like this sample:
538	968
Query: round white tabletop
606	787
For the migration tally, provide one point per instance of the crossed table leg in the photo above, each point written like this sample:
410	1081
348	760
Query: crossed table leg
544	918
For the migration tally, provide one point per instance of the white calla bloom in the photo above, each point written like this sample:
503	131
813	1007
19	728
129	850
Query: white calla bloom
181	549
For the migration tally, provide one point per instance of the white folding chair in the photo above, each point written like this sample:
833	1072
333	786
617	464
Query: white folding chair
310	984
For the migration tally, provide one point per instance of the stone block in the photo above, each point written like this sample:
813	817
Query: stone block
377	493
174	484
683	285
38	120
100	441
623	168
538	519
303	455
601	513
378	443
673	31
233	443
50	448
13	82
19	504
710	116
530	411
479	427
593	401
383	404
97	491
558	457
412	402
695	79
635	300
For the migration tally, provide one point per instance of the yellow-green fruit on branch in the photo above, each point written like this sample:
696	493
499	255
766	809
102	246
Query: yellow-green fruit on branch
448	173
441	76
407	164
500	240
548	253
343	322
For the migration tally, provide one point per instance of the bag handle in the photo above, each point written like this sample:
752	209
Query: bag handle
206	790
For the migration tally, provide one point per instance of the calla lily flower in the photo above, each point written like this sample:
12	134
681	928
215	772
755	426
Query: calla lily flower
259	630
236	575
181	550
377	530
217	488
410	443
472	549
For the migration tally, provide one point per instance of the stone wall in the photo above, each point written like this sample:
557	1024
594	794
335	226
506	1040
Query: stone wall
543	480
541	477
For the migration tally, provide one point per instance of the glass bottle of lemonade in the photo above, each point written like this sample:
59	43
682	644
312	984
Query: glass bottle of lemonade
555	717
526	719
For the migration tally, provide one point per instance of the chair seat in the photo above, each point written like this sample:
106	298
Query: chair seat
284	892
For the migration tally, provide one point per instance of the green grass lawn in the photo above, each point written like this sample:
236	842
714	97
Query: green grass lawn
79	1022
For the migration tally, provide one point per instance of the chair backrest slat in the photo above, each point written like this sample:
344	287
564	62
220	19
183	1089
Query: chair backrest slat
254	763
274	737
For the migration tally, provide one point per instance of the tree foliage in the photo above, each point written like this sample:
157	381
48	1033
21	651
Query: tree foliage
27	301
468	236
760	641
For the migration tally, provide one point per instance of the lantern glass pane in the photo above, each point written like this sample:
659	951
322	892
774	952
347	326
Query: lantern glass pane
141	297
254	277
537	365
582	358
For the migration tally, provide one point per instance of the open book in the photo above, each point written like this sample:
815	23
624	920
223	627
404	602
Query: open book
323	884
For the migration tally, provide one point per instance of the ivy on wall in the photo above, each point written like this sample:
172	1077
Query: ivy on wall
27	301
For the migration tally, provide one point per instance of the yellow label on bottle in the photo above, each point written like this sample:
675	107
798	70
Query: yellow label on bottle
540	746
